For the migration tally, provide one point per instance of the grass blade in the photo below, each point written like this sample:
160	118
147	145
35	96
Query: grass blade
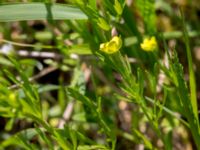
39	11
191	70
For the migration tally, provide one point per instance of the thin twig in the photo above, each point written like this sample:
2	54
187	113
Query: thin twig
37	76
35	54
67	114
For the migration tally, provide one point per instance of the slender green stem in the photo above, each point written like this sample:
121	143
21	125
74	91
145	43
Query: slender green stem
168	111
27	45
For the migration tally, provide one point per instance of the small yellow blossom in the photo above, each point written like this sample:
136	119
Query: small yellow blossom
112	46
149	44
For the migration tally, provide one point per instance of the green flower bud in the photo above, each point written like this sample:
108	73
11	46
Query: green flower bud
103	24
118	7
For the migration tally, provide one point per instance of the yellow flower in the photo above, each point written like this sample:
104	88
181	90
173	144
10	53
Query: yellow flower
149	44
112	46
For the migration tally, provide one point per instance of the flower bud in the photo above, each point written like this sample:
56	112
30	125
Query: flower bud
118	7
103	24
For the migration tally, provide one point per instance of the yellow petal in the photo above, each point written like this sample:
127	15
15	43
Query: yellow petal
149	44
112	46
118	41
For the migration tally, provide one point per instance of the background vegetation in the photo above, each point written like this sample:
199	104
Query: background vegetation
58	90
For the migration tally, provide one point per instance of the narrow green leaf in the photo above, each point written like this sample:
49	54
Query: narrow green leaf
192	79
146	141
39	11
13	140
186	103
92	147
44	137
